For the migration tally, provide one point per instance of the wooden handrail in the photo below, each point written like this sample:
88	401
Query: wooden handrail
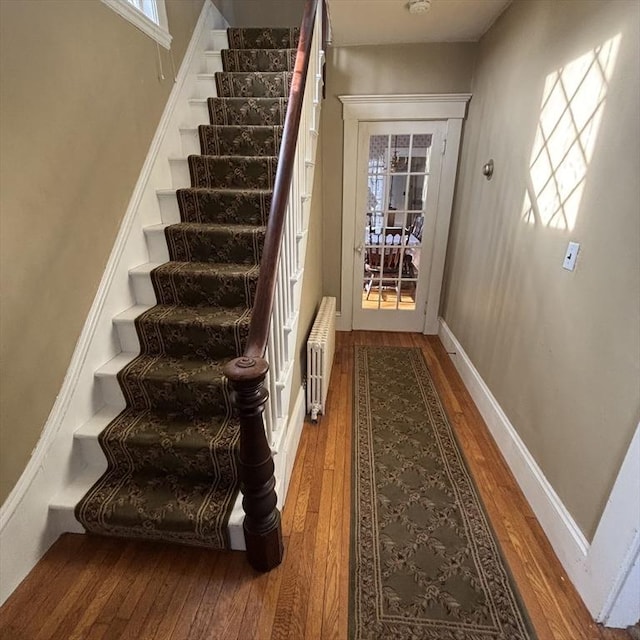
246	375
263	303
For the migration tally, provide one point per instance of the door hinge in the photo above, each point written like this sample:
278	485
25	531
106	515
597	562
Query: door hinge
444	146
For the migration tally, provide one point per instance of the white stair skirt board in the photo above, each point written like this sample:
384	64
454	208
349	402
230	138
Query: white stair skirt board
169	211
205	86
157	243
107	376
190	140
142	285
34	515
198	113
180	177
213	61
602	571
217	39
86	438
126	329
62	507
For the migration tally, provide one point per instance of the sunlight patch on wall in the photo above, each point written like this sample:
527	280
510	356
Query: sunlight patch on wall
572	106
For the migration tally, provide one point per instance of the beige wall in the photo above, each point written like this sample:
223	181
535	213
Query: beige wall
261	13
312	279
388	69
80	102
560	351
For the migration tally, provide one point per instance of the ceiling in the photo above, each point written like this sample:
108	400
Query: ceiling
389	21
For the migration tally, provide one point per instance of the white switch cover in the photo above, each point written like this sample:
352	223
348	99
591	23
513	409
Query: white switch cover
570	256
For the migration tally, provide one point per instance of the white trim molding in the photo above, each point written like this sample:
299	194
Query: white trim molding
605	572
450	109
418	106
158	31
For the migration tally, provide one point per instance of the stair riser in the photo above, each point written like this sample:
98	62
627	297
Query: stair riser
180	176
236	140
90	451
224	208
232	173
179	340
249	60
111	391
210	290
262	38
205	85
189	140
150	457
257	85
194	245
189	396
142	288
247	111
156	244
169	210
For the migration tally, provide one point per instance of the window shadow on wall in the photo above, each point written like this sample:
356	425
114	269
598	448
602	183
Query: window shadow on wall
573	102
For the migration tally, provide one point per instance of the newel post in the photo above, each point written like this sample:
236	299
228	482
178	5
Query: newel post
262	527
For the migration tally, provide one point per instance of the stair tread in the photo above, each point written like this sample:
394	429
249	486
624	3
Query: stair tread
179	314
208	226
208	268
227	190
253	74
186	370
251	127
215	226
261	50
232	158
245	99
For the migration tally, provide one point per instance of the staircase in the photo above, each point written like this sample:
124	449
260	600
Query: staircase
172	453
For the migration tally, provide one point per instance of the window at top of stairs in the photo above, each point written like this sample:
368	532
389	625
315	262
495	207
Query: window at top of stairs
150	16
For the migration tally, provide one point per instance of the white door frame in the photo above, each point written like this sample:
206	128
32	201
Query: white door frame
450	108
400	319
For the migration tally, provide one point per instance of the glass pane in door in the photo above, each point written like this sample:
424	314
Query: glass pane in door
398	170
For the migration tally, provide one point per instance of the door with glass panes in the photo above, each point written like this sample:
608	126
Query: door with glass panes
398	175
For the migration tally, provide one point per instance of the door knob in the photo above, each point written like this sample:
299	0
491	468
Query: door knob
360	248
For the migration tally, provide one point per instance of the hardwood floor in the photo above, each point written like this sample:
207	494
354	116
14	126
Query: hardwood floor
91	588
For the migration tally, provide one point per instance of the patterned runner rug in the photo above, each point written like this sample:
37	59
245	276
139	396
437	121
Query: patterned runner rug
424	560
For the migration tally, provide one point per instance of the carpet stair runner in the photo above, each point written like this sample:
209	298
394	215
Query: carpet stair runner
172	453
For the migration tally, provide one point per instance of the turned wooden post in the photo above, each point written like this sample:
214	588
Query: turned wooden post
262	527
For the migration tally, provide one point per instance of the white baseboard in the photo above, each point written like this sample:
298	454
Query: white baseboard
286	453
26	528
603	571
342	322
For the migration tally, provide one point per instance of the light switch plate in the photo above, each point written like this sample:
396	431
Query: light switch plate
570	256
